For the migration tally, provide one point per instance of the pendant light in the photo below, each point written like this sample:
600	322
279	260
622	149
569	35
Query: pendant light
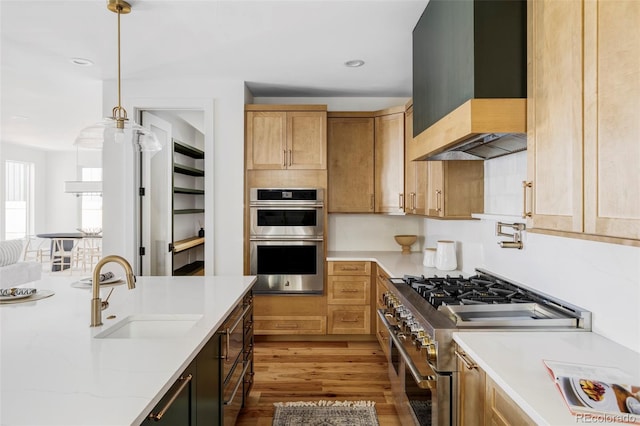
118	128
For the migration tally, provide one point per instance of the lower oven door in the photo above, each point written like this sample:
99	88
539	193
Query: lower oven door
289	266
422	396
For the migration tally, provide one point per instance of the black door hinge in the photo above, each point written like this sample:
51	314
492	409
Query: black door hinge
142	251
141	192
170	247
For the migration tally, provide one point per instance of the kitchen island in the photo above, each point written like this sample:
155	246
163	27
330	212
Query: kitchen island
54	371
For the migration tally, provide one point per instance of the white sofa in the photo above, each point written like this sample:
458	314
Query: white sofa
12	271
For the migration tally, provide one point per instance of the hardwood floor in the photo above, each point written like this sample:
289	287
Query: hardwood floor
313	371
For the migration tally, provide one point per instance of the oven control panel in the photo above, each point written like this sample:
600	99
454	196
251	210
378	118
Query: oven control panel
408	327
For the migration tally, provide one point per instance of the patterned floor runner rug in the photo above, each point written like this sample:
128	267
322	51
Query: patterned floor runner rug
325	413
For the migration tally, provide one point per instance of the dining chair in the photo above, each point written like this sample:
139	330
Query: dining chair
36	249
88	252
63	251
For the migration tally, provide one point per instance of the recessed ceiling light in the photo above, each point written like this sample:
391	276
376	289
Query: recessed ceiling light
81	62
354	63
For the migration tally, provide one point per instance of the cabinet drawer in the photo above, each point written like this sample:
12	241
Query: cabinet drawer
500	409
349	268
348	290
290	325
349	319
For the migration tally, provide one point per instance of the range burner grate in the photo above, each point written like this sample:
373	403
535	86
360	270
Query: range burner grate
457	290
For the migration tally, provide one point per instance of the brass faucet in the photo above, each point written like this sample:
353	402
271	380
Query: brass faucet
96	303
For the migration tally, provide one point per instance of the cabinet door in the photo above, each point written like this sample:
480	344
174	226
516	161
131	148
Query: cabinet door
266	140
307	140
176	407
500	409
415	174
435	187
350	150
555	96
389	158
471	388
612	124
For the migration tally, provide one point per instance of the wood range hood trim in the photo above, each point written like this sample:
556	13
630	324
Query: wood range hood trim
474	118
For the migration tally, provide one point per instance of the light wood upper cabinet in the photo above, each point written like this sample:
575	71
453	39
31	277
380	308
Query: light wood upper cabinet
415	173
278	139
583	103
612	118
455	189
554	149
389	161
350	147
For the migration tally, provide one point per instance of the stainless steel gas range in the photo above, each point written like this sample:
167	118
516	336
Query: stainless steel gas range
421	316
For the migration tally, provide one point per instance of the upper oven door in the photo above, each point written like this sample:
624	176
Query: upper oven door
296	221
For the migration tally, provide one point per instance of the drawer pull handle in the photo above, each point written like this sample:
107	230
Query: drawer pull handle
348	268
349	290
286	325
185	381
467	363
349	319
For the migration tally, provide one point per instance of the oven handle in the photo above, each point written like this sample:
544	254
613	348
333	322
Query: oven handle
422	381
280	238
292	205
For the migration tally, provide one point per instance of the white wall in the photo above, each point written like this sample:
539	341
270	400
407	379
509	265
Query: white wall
372	231
224	145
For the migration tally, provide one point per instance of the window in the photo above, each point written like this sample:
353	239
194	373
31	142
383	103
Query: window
91	204
19	221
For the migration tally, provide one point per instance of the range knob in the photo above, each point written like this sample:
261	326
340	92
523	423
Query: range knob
432	353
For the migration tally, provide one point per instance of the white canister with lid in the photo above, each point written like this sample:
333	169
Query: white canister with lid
446	255
429	259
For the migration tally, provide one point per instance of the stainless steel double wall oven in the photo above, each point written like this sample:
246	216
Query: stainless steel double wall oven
286	240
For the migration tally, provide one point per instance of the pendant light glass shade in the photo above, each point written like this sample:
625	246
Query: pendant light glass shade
107	131
117	128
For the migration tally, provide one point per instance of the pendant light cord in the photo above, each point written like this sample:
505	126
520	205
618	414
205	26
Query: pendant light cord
119	114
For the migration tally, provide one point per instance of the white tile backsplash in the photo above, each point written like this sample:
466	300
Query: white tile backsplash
503	178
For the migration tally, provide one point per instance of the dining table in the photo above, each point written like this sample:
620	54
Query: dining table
67	244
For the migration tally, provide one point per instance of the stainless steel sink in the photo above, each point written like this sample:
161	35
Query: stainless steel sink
151	326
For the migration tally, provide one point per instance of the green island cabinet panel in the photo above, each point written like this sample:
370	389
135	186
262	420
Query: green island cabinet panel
467	49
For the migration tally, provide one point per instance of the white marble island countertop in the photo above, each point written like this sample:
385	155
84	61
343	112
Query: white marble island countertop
54	372
514	360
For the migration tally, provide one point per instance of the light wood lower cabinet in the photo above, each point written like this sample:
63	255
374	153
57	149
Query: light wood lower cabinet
308	324
349	298
287	315
480	401
349	319
471	391
382	334
499	409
